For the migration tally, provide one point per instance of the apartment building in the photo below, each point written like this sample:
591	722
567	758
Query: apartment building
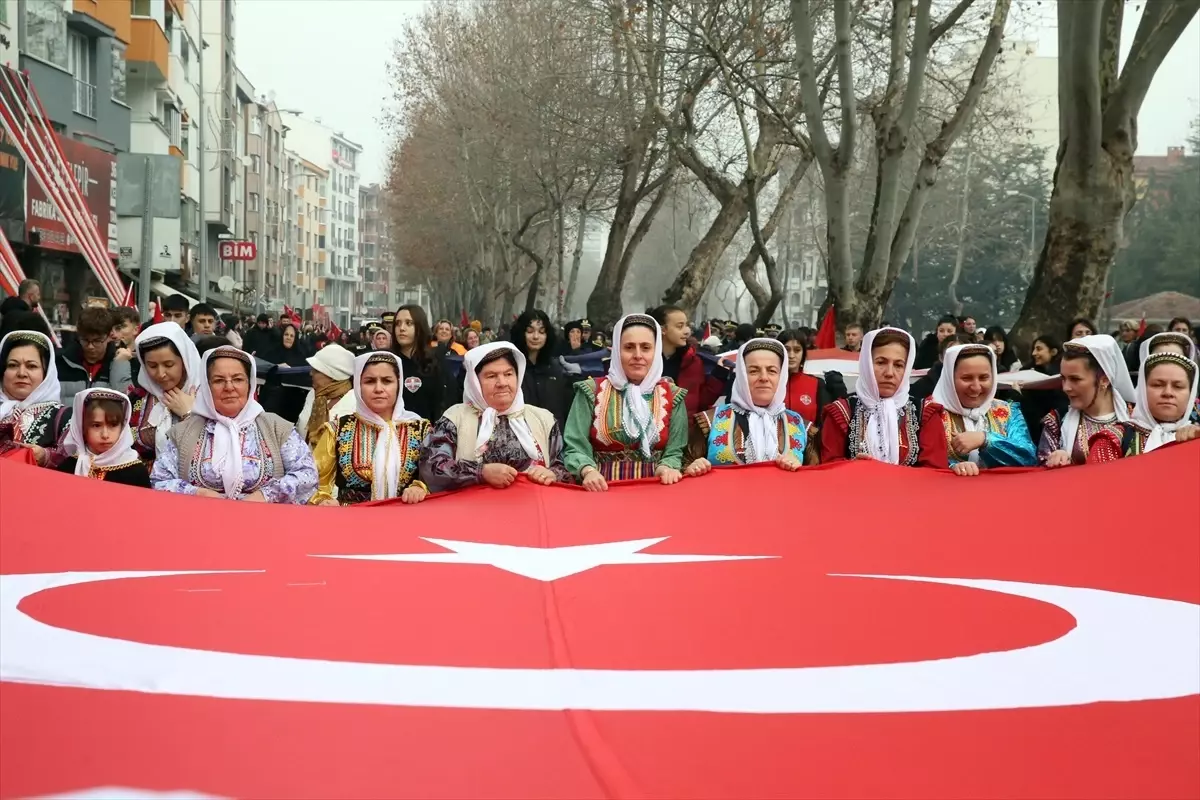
373	251
307	223
331	152
74	52
219	162
261	168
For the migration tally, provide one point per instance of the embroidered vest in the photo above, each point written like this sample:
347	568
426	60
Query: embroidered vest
995	421
354	446
188	436
466	423
727	443
910	429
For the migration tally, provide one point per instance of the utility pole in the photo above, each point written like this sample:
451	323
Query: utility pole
202	275
147	239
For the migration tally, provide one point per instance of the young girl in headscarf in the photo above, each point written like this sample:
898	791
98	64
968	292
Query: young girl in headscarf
372	454
494	436
756	427
633	422
1101	395
979	431
100	441
880	422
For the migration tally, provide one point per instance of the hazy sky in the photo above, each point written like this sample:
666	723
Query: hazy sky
328	58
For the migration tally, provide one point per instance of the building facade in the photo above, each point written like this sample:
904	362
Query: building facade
74	53
219	162
330	152
373	252
9	9
304	246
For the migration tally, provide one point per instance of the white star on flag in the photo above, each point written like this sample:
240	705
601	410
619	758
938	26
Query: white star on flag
546	563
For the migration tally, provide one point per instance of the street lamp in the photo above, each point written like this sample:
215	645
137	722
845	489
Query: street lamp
1032	222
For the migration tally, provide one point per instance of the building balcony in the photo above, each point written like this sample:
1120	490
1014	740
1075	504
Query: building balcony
149	51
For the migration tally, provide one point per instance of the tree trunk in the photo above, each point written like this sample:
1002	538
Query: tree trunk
962	238
688	287
576	258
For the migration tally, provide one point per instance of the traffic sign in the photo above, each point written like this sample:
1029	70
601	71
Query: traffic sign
235	250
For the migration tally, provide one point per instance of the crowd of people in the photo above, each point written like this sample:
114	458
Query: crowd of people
401	409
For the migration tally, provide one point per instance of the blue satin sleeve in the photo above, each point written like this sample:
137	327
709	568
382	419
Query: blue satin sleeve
1015	448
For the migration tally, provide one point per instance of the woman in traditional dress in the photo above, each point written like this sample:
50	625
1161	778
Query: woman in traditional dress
1101	395
372	454
633	422
1166	396
756	427
229	446
332	394
494	436
100	439
881	422
31	415
979	431
168	379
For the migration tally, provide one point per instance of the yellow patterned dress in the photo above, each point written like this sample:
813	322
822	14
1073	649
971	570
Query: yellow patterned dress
344	454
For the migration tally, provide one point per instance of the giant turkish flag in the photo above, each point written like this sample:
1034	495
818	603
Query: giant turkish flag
855	630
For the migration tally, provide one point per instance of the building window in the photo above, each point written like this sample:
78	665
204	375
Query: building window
4	13
79	62
253	201
172	122
141	8
255	164
185	141
255	126
46	31
118	72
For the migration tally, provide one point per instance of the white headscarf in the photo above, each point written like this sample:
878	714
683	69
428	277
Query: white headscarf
119	454
227	440
385	460
883	414
48	391
946	395
638	422
1171	336
193	373
764	420
473	394
1107	353
1161	432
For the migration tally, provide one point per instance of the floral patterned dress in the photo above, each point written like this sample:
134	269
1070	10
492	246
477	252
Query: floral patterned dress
41	424
442	471
1008	442
298	483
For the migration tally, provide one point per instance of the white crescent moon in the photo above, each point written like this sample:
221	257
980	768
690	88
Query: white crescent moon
1123	648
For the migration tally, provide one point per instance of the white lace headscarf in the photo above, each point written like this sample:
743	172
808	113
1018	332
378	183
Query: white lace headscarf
75	443
1161	433
1107	353
48	391
156	336
946	395
764	420
637	417
488	415
385	460
227	440
883	413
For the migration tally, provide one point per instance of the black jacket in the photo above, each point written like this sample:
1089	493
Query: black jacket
547	386
73	378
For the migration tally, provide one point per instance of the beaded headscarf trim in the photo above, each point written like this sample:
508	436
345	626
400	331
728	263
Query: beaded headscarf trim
1188	365
27	337
766	344
974	350
1172	337
499	352
640	319
229	351
380	358
154	343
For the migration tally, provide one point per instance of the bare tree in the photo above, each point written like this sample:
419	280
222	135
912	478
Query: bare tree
895	215
1093	183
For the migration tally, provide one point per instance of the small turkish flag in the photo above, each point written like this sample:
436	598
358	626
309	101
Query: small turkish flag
525	644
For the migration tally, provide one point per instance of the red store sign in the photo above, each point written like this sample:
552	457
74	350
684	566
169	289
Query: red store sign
95	173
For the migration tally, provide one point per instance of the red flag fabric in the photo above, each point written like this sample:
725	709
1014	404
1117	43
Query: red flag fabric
827	333
293	317
1141	327
464	321
158	315
335	330
532	647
